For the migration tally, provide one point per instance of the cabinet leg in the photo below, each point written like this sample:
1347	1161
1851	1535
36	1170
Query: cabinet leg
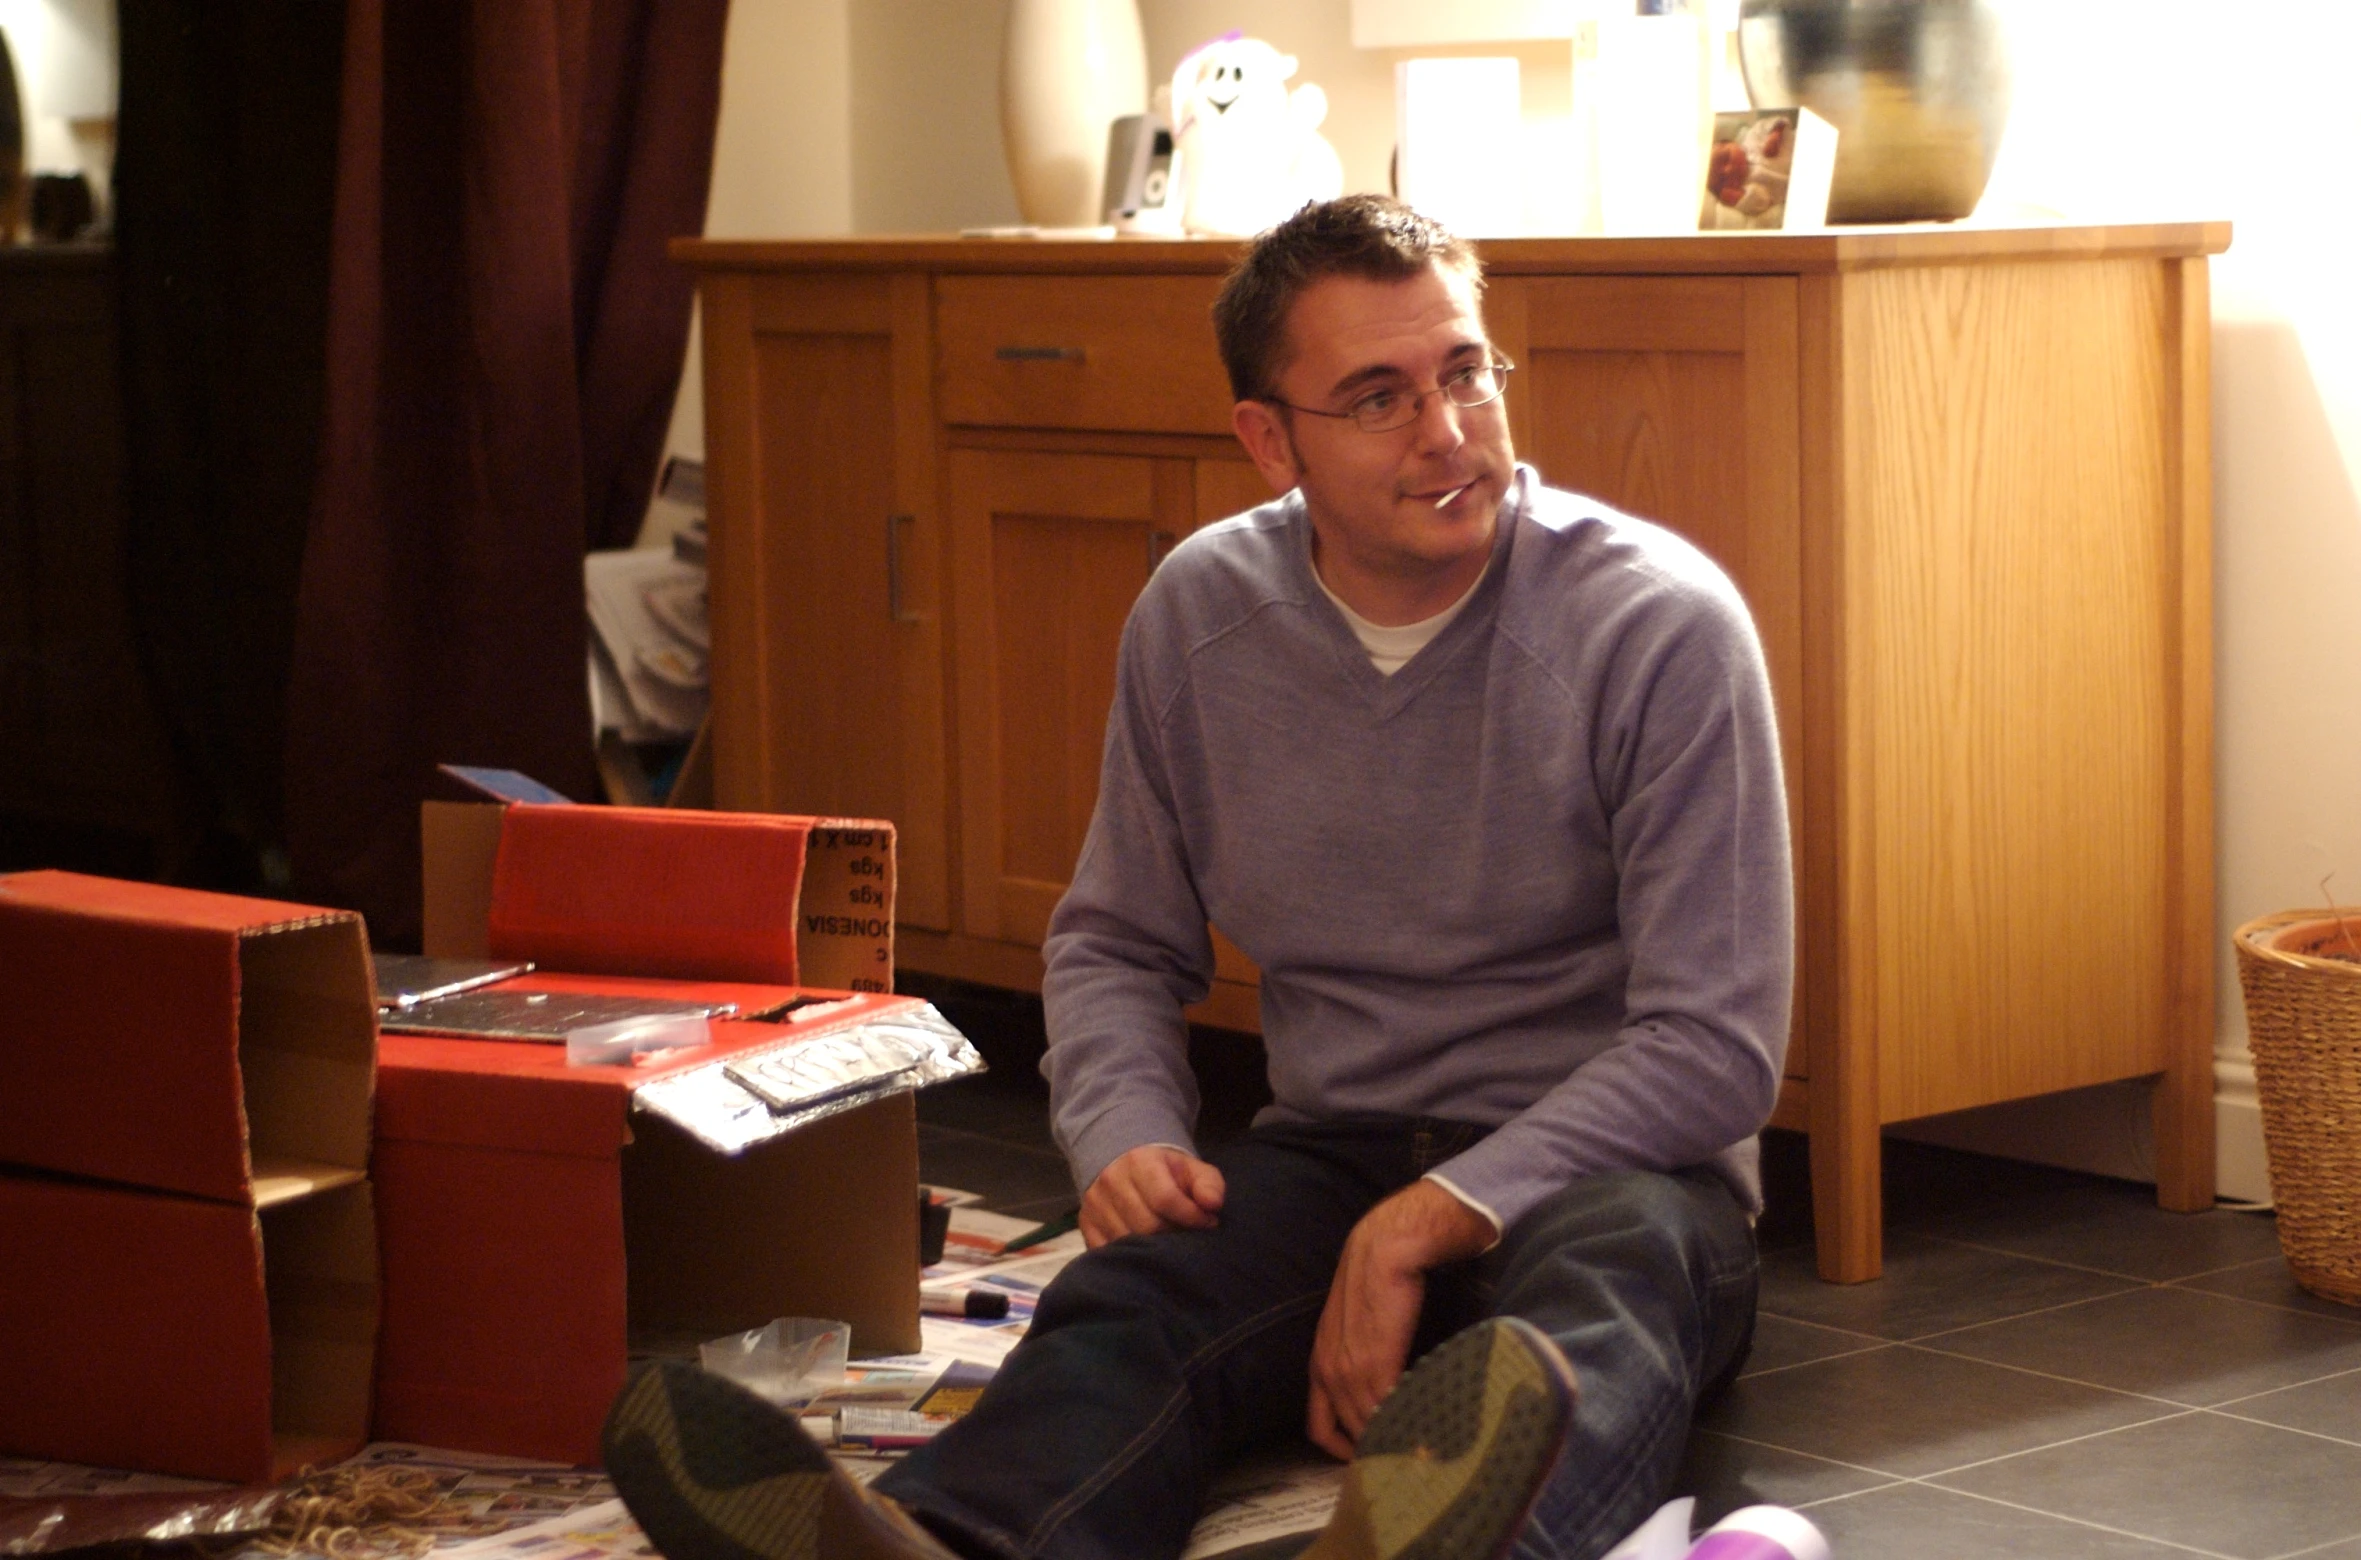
1848	1193
2183	1114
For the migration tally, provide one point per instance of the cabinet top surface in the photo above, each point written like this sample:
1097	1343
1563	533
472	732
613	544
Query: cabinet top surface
1847	249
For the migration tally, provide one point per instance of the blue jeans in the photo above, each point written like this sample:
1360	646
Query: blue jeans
1155	1359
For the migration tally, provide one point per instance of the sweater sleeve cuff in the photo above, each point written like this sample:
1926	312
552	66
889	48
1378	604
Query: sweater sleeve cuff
1116	1133
1472	1205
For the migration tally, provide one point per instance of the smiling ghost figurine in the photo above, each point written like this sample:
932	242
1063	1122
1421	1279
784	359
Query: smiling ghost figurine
1249	150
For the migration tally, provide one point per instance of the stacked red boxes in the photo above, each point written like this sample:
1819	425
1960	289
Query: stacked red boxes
190	1284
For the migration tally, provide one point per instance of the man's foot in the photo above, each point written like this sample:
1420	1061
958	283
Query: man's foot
1453	1460
713	1472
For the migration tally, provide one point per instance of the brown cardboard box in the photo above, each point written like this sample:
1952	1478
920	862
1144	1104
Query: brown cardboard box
191	1283
540	1220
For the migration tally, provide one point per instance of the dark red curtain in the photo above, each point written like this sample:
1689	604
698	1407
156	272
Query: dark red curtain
504	338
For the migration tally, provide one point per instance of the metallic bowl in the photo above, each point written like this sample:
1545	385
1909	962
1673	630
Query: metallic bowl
1917	89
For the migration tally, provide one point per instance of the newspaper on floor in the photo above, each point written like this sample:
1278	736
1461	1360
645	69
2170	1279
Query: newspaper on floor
974	1246
493	1494
1272	1498
973	1258
603	1531
47	1506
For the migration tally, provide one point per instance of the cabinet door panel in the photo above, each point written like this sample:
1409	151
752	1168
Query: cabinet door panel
1049	552
1676	400
1229	487
1061	588
1660	434
825	586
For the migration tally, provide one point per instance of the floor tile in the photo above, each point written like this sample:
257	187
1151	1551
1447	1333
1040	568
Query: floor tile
1908	1411
1001	1173
1925	1523
2244	1490
2115	1226
2270	1282
1929	1286
1924	1182
1780	1342
1040	1209
2330	1407
1013	1111
1725	1473
1920	1182
2350	1549
2179	1344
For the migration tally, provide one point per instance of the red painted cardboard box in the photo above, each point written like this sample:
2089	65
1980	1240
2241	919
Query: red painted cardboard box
542	1221
190	1281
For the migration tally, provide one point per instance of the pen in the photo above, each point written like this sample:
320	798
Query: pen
1039	1233
977	1305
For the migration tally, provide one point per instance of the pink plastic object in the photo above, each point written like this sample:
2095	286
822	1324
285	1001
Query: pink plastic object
1761	1533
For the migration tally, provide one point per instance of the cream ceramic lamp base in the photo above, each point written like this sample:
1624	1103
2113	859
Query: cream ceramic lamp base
1068	70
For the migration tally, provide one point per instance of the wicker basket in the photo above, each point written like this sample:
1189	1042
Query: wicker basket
2303	1014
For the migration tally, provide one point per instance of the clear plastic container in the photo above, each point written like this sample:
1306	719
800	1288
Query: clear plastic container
789	1362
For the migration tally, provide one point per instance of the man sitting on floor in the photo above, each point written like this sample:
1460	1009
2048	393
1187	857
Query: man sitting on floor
1483	776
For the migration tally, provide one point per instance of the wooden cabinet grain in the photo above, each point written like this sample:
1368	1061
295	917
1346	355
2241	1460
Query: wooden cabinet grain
827	599
1960	475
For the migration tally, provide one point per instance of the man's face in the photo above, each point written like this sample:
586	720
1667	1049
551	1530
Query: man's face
1406	513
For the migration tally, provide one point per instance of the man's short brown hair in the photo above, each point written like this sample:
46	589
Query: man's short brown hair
1373	237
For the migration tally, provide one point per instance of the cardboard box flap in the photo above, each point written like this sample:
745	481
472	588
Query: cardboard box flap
844	916
842	909
157	1030
644	891
307	1042
503	785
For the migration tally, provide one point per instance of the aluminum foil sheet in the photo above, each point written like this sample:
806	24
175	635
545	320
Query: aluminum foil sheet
497	1014
755	1096
44	1525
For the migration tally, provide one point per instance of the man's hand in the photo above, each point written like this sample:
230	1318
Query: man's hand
1372	1311
1151	1188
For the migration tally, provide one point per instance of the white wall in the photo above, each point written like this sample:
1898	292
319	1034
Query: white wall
2206	108
2191	108
64	52
782	154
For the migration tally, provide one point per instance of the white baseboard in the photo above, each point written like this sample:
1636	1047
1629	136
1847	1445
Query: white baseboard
2239	1169
2108	1130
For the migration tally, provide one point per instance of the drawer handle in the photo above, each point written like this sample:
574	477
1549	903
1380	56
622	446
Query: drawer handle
893	569
1038	354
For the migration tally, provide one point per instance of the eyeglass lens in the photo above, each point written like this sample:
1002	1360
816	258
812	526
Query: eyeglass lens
1473	386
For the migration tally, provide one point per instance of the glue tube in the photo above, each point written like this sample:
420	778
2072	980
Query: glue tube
1761	1533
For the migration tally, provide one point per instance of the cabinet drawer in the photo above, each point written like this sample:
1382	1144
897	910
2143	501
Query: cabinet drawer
1129	354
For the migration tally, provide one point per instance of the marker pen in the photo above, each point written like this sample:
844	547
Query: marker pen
977	1305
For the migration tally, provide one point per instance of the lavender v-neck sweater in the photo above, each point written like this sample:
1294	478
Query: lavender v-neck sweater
1537	879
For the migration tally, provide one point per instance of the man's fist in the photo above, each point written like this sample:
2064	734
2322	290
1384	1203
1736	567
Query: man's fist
1151	1188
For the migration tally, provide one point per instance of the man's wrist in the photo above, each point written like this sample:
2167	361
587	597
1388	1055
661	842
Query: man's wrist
1479	1209
1423	1226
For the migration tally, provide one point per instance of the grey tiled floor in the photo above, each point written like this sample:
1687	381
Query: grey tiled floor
2052	1368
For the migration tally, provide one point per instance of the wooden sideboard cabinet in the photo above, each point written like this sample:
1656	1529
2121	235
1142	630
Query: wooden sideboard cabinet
1961	476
